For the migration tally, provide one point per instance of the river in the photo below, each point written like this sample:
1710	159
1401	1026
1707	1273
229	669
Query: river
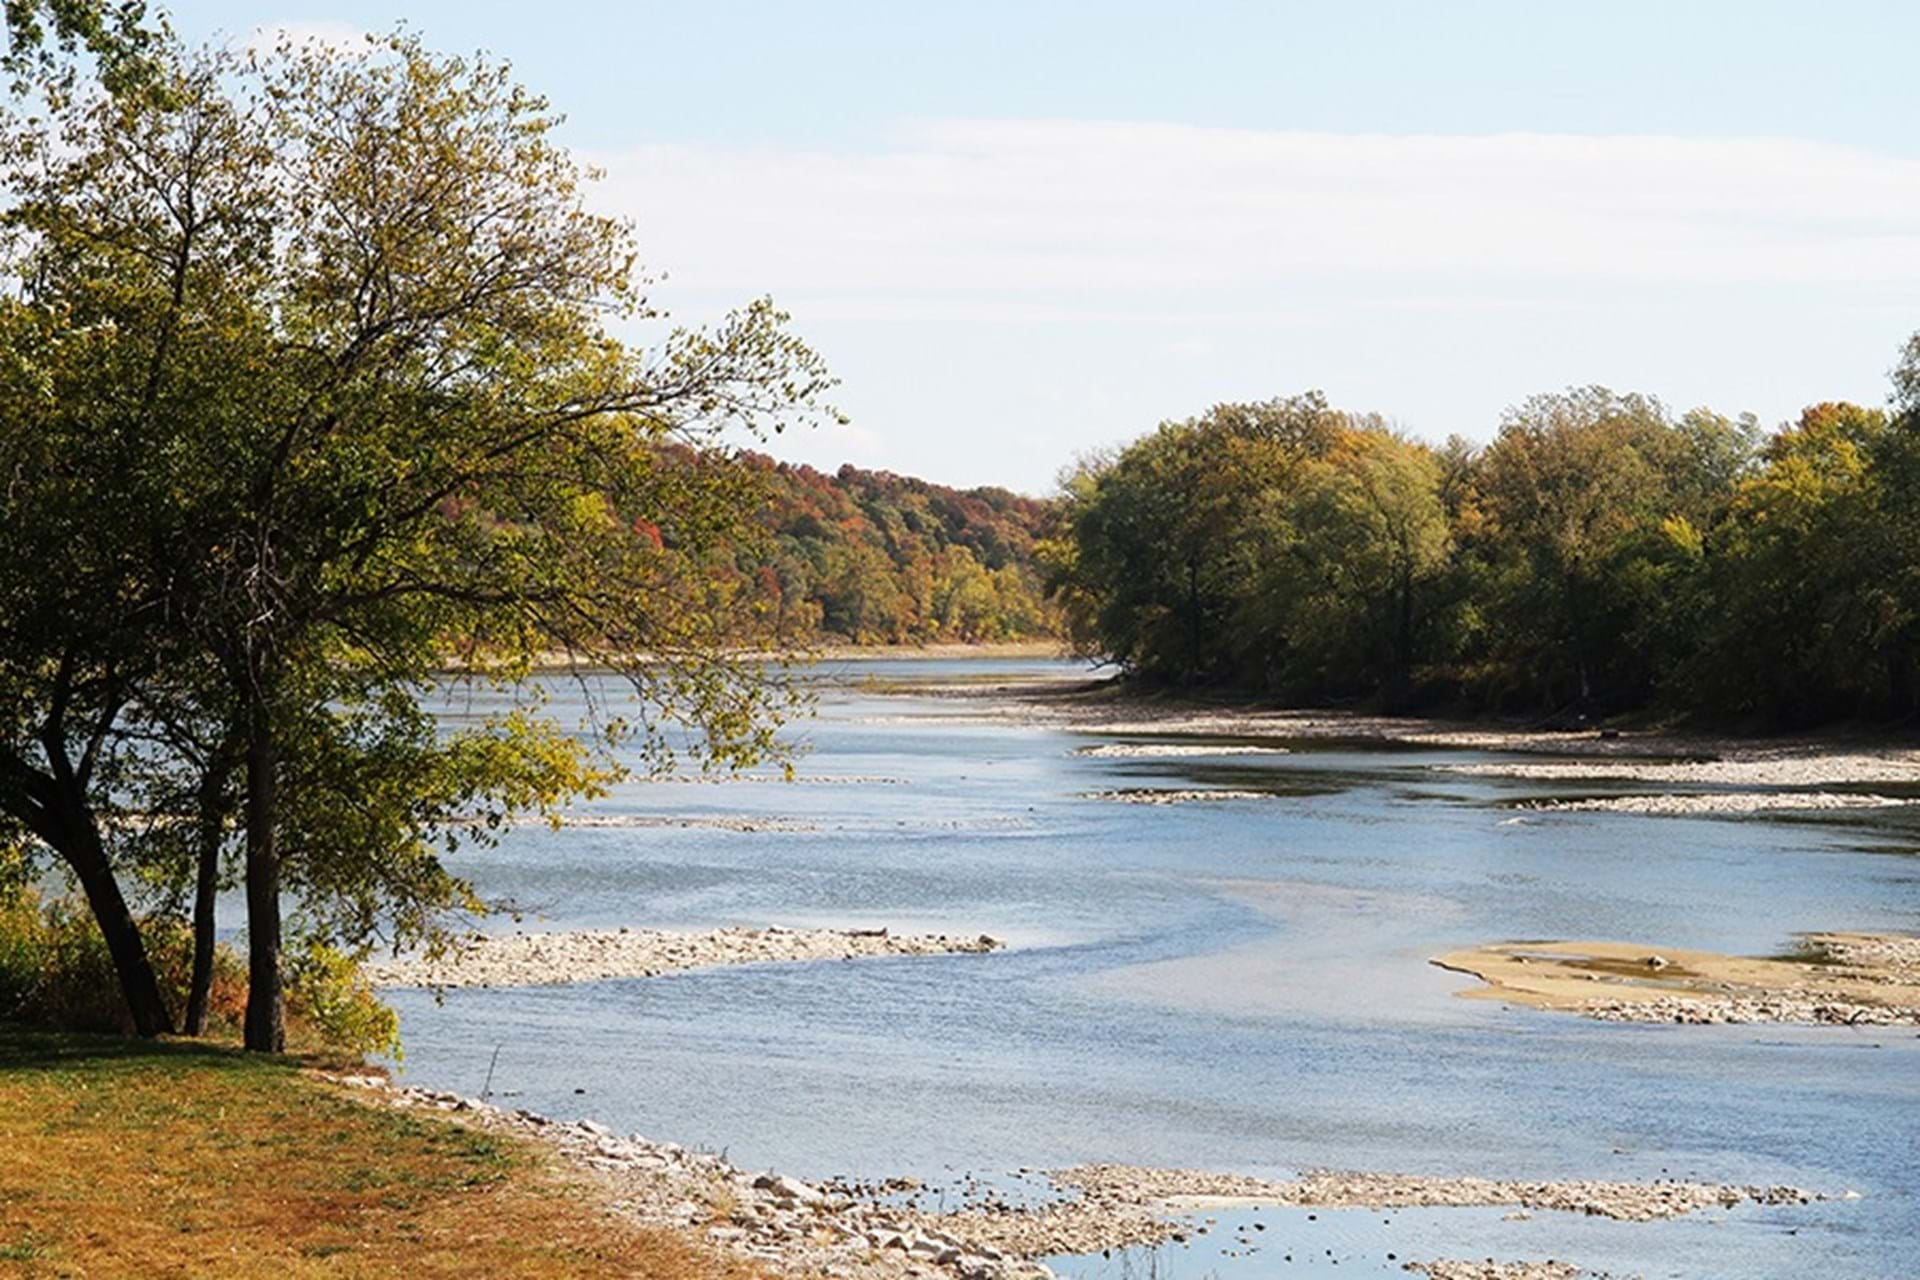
1240	985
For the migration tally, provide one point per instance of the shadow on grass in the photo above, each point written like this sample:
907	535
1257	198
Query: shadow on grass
29	1049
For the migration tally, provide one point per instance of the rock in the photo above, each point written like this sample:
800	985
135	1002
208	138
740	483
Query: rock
790	1189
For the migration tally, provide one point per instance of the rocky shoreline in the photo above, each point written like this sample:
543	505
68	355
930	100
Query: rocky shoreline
1657	755
878	1231
689	822
1491	1270
1720	802
779	1222
1170	796
1730	766
1739	1010
551	959
1621	1201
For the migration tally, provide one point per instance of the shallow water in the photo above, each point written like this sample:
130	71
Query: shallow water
1238	985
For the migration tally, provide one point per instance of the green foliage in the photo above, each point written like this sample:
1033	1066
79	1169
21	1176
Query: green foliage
331	334
1815	575
326	992
55	972
1159	548
1572	535
1599	554
1353	557
44	35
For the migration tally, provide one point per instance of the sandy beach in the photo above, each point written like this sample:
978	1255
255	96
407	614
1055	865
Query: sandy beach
1839	979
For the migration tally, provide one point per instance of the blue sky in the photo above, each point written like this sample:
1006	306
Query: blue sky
1023	231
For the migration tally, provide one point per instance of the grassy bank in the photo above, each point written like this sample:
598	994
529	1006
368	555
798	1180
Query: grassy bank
123	1158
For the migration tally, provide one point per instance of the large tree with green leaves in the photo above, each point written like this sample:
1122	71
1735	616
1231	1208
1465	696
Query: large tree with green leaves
1814	575
359	362
1158	551
1350	587
1584	515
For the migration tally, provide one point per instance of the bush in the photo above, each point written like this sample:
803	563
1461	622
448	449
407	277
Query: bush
54	967
55	972
21	950
328	996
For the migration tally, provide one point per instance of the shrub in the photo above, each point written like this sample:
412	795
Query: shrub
326	993
55	972
21	950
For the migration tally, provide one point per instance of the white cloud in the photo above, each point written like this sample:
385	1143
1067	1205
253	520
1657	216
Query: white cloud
1039	210
1000	294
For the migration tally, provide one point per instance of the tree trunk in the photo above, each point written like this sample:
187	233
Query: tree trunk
206	885
139	985
1400	683
266	1030
1192	674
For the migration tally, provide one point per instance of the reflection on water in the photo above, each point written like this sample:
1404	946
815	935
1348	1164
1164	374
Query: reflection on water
1239	985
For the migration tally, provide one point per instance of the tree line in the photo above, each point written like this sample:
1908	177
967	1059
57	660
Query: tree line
870	557
1601	554
311	409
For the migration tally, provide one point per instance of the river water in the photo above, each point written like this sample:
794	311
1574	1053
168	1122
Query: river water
1239	985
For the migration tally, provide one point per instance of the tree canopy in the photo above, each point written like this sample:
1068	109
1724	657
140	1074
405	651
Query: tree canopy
1600	554
311	404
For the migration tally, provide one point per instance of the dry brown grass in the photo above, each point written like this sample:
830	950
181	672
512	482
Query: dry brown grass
127	1159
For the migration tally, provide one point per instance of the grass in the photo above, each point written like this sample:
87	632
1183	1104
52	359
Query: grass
123	1158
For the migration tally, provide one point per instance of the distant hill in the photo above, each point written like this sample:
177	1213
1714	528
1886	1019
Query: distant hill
872	557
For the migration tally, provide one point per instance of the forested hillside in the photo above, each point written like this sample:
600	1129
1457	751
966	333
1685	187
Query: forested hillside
1600	554
872	557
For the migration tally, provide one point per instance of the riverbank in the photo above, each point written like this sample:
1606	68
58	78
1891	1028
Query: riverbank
130	1158
841	651
595	955
1722	803
170	1158
1801	764
1840	979
882	1230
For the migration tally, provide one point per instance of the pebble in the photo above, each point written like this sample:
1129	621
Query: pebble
1160	795
860	1231
545	959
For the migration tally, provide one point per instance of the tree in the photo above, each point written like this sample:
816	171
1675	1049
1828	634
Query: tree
1583	512
1354	550
82	614
1159	549
382	424
43	36
1810	576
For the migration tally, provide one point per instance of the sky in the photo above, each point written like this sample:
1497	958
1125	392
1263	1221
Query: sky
1023	232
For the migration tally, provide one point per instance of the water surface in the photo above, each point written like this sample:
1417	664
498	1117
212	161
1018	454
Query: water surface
1238	985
